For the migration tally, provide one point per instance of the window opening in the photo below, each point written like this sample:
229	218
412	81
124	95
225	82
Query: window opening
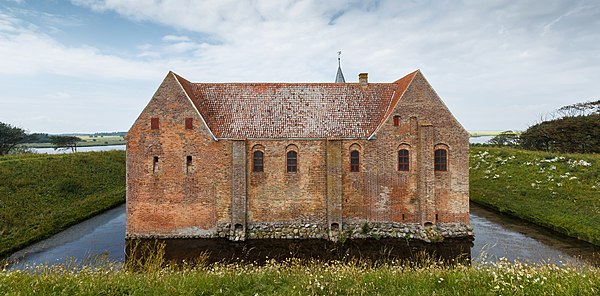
257	161
155	164
441	160
154	123
403	160
188	164
354	161
396	120
292	162
189	123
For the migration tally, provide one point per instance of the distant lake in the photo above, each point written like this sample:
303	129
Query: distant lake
480	140
472	140
79	149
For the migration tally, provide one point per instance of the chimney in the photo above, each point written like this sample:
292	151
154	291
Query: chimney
363	79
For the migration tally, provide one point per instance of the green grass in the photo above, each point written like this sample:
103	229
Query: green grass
43	194
295	277
558	191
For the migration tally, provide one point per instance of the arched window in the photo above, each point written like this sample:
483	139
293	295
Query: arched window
441	160
403	160
292	161
354	161
257	161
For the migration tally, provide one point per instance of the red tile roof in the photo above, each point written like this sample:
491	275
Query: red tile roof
294	110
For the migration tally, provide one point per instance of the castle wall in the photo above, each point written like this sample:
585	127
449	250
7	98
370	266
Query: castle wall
276	195
218	193
172	198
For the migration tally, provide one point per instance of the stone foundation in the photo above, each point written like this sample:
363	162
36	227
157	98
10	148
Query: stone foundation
349	231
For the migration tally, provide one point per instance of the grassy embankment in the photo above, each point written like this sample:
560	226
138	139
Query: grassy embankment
86	141
41	195
308	278
558	191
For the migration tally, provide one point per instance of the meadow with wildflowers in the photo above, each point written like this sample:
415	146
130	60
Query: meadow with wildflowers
295	277
558	191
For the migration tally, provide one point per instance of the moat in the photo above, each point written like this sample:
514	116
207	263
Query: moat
496	236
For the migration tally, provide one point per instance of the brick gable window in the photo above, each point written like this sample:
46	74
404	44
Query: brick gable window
354	161
396	120
189	123
292	161
257	161
154	123
441	160
403	160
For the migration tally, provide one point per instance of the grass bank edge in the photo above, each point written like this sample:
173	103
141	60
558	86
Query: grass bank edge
99	175
544	189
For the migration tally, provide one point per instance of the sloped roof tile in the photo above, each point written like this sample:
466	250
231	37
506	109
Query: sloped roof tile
294	110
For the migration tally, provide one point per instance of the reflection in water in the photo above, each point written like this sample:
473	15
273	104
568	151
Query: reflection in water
496	236
260	250
499	236
102	235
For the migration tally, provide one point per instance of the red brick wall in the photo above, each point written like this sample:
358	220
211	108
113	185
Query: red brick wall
382	193
278	196
180	201
173	200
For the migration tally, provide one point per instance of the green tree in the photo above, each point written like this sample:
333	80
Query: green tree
568	134
506	138
65	142
10	137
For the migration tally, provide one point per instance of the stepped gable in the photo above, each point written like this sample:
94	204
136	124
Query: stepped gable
294	110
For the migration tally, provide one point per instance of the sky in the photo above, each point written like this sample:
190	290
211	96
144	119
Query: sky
85	66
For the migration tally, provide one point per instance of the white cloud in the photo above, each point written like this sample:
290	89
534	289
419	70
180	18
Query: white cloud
485	58
27	51
175	38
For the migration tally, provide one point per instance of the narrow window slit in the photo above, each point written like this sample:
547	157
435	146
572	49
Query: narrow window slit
188	164
155	164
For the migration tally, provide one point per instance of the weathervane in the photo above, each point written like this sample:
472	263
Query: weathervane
339	54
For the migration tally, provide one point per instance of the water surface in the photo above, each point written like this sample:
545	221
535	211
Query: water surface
496	236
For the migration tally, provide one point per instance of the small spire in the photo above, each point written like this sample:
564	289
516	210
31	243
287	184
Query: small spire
339	77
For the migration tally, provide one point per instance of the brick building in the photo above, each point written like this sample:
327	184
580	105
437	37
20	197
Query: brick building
297	160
